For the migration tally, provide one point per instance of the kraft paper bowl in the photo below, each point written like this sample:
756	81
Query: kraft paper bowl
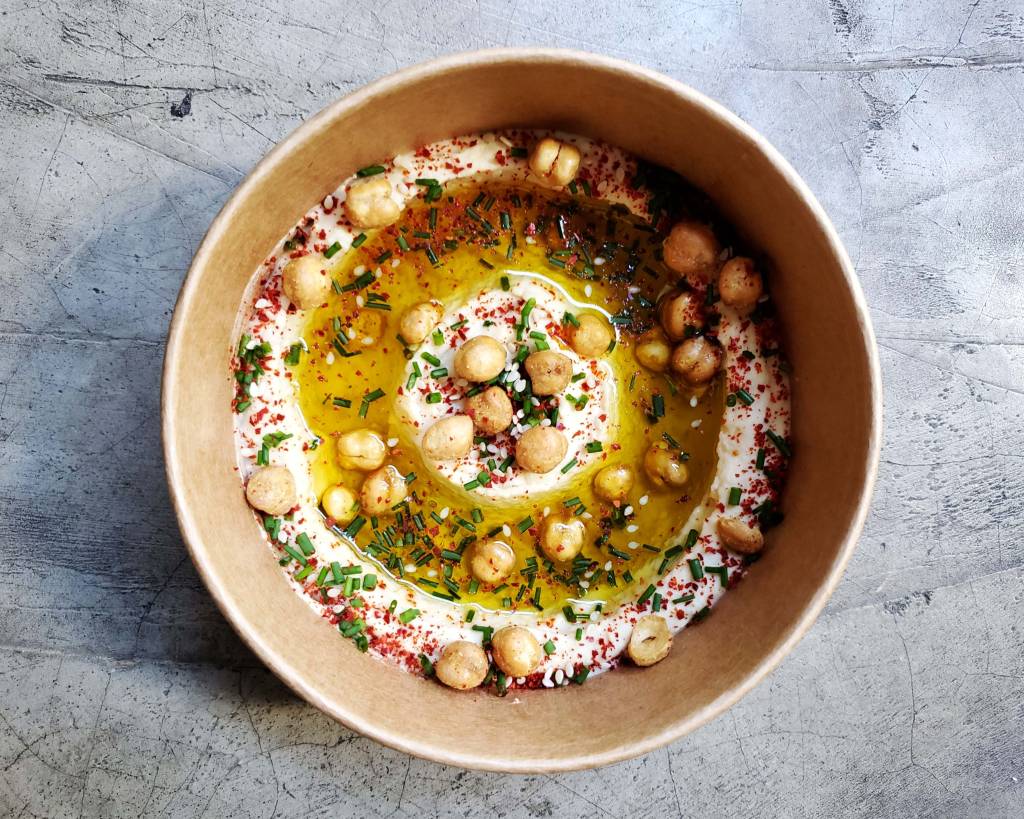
836	412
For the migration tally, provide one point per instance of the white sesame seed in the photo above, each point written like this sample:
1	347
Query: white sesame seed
587	515
506	530
367	341
695	424
444	512
392	441
432	573
599	260
261	304
545	422
396	262
608	566
644	500
351	333
559	677
693	401
633	545
588	291
251	344
530	240
547	511
359	270
328	202
360	301
330	358
410	567
627	511
632	528
584	584
378	273
546	682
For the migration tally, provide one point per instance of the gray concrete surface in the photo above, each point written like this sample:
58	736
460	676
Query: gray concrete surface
122	690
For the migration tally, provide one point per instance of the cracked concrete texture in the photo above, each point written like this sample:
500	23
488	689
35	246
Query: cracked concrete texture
122	690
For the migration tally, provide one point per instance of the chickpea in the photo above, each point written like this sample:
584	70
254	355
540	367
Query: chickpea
419	321
561	536
516	651
739	537
369	203
697	360
554	163
613	482
549	371
271	489
541	449
691	250
664	467
305	281
652	350
492	561
650	641
739	284
449	438
480	359
491	411
340	503
382	489
462	665
677	311
592	338
361	449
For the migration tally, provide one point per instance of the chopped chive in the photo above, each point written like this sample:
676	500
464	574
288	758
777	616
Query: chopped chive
734	495
402	243
568	466
332	250
657	406
759	463
359	240
409	615
440	372
686	598
549	647
648	593
780	443
595	446
525	524
519	153
434	398
304	543
370	170
431	359
695	568
745	397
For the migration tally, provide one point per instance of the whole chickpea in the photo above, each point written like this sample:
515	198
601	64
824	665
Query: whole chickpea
554	163
541	449
652	350
592	337
739	284
462	665
305	281
664	467
516	651
650	641
361	449
491	411
419	321
561	536
271	489
492	561
679	310
382	490
549	371
691	250
340	503
480	359
739	537
369	203
697	360
613	482
449	438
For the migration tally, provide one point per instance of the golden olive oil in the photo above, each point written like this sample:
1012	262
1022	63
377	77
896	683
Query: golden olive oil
448	250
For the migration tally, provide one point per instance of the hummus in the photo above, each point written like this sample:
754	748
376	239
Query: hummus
483	233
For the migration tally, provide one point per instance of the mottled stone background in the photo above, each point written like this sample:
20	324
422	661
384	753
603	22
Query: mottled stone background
123	691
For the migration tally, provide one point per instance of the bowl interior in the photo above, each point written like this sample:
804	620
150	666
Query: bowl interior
835	387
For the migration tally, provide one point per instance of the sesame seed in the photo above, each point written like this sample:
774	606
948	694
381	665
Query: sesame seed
695	423
644	500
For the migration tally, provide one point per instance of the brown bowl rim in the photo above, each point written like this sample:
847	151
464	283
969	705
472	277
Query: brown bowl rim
292	677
